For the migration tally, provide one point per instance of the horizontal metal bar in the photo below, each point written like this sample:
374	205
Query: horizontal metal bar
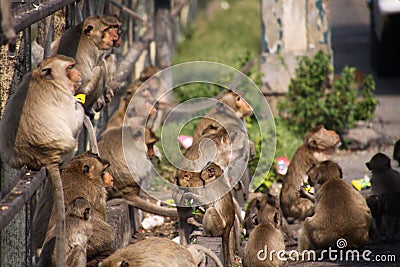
32	12
19	195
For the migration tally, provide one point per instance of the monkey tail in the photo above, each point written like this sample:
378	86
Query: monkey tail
138	202
59	211
92	135
238	211
208	252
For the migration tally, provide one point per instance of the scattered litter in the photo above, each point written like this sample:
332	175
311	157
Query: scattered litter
153	221
186	141
362	183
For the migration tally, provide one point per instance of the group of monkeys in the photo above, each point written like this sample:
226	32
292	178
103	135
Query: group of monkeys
40	128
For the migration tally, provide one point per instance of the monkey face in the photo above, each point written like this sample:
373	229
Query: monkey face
108	180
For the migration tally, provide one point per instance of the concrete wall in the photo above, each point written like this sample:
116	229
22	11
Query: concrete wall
290	29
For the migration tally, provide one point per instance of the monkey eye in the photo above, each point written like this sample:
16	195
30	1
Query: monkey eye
70	67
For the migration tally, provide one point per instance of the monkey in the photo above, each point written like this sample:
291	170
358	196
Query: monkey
40	127
94	179
351	215
91	173
136	113
232	109
386	213
117	118
265	237
319	144
384	179
159	252
251	213
109	61
219	217
238	109
125	185
385	189
78	231
218	221
87	43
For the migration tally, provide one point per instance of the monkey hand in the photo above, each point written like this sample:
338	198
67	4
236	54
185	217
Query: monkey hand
99	104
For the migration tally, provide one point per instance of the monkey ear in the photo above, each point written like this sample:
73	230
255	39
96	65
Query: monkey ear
277	219
340	172
46	73
88	29
258	204
254	219
86	169
312	143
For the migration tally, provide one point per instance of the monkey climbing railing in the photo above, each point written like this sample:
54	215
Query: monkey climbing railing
21	190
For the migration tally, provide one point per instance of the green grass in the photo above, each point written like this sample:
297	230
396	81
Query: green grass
224	37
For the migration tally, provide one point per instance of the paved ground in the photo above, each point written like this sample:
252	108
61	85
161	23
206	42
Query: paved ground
350	44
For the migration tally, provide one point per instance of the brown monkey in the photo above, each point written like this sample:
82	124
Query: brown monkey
232	108
220	214
135	113
319	144
90	172
218	221
40	126
109	62
251	213
384	179
265	237
85	176
351	215
87	42
158	252
125	185
78	231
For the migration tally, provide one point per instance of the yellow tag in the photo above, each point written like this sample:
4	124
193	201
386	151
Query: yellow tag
81	98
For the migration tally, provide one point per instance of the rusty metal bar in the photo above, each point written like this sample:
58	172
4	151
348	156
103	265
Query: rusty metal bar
19	195
32	12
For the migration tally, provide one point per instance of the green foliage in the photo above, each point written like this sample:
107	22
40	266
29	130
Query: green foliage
286	145
312	100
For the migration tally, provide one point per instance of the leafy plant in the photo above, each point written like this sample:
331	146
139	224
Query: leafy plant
313	99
